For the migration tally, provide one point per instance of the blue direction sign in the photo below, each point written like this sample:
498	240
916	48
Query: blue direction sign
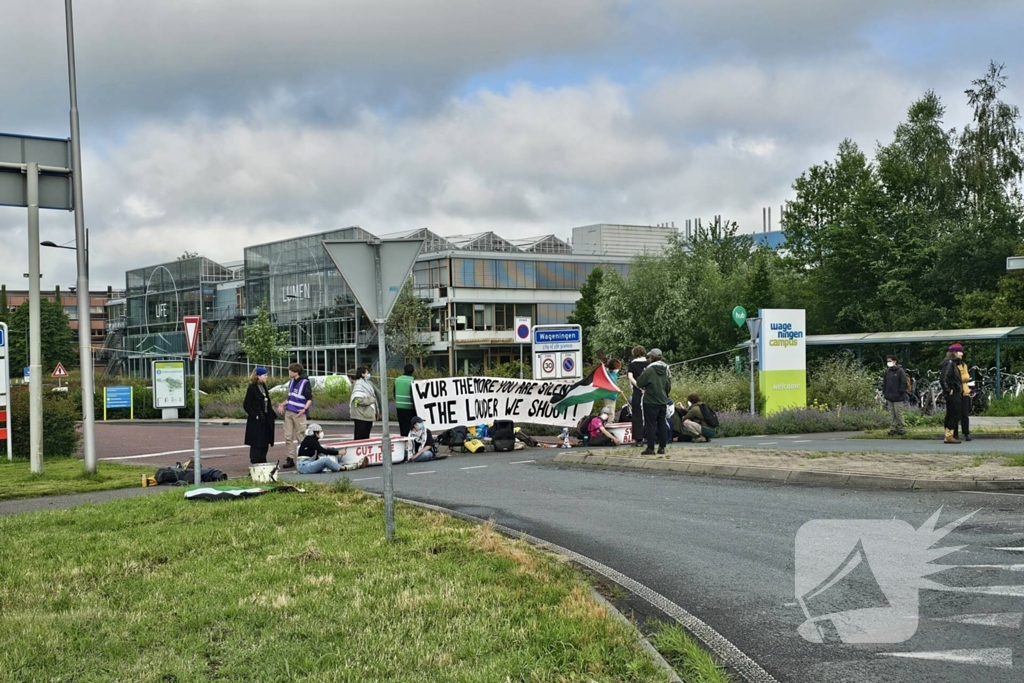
118	397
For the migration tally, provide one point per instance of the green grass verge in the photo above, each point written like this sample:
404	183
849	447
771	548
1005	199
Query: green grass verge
292	586
935	433
692	663
62	476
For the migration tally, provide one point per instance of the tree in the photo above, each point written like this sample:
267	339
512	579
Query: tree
262	342
585	312
56	339
4	313
187	255
408	324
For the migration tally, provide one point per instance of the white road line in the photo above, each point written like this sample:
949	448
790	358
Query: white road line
999	620
366	479
156	455
474	467
521	462
768	443
1014	550
994	493
998	657
413	474
803	441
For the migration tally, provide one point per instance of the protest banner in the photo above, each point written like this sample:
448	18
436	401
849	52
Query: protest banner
449	401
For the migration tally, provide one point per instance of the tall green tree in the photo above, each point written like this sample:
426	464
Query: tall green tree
408	327
56	341
585	313
4	312
262	342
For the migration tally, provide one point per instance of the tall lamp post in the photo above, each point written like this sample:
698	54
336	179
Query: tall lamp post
84	317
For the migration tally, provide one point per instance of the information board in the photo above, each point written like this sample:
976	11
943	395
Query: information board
169	384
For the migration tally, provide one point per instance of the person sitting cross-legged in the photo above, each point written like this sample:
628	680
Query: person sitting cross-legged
309	459
421	442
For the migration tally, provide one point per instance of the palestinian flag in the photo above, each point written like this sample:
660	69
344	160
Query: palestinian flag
596	386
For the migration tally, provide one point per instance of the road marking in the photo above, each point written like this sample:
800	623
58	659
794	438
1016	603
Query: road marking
803	441
994	493
1004	620
474	467
1004	567
998	657
768	443
413	474
365	479
1013	550
181	452
521	462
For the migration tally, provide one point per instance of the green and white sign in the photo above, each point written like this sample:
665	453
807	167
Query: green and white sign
168	384
739	316
782	354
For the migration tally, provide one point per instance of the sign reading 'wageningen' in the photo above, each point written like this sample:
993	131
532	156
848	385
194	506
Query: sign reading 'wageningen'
783	359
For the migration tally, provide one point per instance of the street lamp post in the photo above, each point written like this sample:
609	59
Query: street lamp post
453	324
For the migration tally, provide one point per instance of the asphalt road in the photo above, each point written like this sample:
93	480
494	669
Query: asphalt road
844	442
725	551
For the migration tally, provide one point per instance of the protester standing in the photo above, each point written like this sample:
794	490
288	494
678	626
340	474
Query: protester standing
636	368
965	401
296	406
259	422
403	399
953	387
894	391
364	405
656	383
614	365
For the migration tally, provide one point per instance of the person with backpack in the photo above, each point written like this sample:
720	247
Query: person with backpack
598	433
308	460
694	421
259	422
296	406
403	399
364	404
421	444
656	383
894	391
636	407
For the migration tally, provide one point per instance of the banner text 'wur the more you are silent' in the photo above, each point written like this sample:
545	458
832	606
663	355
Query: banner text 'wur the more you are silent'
449	401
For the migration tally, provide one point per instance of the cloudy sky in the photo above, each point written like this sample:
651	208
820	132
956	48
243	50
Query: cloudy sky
212	124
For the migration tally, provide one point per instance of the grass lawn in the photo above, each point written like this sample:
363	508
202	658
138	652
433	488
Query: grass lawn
62	476
292	586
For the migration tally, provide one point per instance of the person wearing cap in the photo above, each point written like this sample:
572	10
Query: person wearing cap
259	422
310	450
954	387
422	441
599	434
656	383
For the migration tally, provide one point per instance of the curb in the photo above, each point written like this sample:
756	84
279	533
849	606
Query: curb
789	476
673	677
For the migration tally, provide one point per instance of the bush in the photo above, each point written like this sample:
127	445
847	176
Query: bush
841	381
61	415
1007	406
511	370
800	421
720	387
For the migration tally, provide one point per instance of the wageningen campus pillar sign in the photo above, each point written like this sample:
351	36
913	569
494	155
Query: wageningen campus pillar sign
782	358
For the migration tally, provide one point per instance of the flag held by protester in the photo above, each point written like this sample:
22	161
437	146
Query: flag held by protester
596	386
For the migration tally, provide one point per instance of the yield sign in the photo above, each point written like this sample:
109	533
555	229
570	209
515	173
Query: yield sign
59	371
354	258
192	324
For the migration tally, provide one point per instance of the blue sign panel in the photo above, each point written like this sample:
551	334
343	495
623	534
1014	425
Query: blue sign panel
118	397
27	372
568	364
567	336
2	340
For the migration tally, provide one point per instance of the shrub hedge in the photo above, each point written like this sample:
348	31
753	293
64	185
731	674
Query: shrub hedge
60	424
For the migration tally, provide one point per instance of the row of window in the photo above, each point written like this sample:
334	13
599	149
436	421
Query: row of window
507	274
500	317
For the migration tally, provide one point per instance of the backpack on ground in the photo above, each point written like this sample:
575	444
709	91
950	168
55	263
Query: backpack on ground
457	437
169	475
503	435
710	417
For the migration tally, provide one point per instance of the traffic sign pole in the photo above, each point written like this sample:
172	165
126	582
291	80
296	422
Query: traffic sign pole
389	482
35	354
193	328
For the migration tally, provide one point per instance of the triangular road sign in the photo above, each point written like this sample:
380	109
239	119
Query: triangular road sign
59	371
192	325
354	258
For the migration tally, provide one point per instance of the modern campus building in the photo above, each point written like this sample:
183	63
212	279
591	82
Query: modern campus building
475	285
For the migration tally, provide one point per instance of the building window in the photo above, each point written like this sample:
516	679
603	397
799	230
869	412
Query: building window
553	314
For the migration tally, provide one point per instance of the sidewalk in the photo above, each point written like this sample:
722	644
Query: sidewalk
14	507
933	471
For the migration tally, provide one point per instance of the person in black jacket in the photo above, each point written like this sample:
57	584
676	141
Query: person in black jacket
310	450
259	423
894	391
636	368
952	383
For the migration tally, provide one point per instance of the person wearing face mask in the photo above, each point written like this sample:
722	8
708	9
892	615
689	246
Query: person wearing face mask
952	380
422	442
364	405
894	387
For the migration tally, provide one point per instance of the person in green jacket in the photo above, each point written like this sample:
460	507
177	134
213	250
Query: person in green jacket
403	400
656	382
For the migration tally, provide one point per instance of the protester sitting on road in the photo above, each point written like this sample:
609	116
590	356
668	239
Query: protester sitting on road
693	420
422	443
310	450
599	434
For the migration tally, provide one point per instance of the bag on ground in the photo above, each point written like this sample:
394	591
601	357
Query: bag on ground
503	436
